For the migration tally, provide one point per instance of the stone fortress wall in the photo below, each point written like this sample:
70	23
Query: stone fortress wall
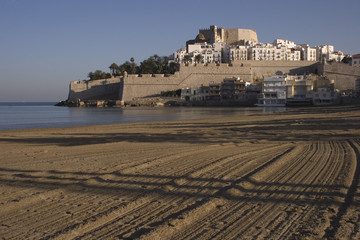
343	75
134	86
103	89
195	76
231	36
239	36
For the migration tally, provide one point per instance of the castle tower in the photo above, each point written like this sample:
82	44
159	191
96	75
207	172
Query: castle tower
235	36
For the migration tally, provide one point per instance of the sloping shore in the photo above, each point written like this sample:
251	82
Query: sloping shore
284	176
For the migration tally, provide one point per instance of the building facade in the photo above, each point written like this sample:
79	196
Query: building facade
239	53
298	90
307	53
355	60
233	36
220	45
274	91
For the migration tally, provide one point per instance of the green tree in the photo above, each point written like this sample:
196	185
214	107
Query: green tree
125	67
166	64
173	67
187	59
159	64
91	75
133	66
98	74
148	66
166	61
114	68
346	59
199	58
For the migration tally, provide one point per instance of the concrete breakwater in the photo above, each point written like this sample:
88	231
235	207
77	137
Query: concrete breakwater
123	90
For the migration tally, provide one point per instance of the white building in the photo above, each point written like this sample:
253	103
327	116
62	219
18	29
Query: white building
209	52
355	60
179	55
262	52
269	52
335	56
239	53
274	91
325	96
307	53
283	43
280	49
292	54
323	51
327	52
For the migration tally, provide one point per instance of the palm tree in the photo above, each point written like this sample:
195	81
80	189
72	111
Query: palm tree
187	58
132	66
198	58
166	65
113	67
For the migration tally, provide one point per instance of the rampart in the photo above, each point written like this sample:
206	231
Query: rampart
232	36
344	76
131	87
195	76
239	36
103	89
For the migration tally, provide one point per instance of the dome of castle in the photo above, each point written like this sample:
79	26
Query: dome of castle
201	37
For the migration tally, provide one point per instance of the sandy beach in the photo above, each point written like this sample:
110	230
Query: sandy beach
275	176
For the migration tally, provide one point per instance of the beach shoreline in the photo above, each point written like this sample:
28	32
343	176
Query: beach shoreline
287	175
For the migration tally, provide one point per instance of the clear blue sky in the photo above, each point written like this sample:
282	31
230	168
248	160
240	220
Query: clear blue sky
45	44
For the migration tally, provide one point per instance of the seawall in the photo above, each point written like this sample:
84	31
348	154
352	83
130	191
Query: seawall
135	86
344	76
103	89
131	87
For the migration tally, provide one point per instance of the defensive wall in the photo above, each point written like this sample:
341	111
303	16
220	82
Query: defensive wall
344	76
239	36
135	86
231	36
103	89
131	87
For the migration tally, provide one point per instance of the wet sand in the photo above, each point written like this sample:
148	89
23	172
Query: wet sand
277	176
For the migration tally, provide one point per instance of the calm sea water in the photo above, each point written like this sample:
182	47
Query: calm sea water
44	115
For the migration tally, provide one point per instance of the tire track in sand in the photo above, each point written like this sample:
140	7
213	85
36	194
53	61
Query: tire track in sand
330	233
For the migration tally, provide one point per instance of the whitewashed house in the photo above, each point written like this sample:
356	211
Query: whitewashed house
274	91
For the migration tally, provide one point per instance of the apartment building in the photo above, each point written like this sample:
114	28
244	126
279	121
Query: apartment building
299	90
239	53
274	91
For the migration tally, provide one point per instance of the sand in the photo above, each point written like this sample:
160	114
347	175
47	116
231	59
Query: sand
283	176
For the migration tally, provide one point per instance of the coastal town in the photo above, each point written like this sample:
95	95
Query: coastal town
221	45
276	91
227	67
248	163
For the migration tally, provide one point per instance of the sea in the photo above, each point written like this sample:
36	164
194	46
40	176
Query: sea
25	115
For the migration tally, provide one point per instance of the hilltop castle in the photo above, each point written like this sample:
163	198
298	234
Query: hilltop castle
220	45
234	36
224	53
